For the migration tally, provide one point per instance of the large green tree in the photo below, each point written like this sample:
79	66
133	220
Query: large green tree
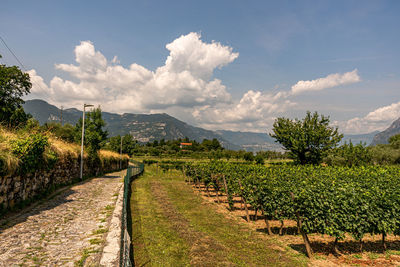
308	140
128	144
14	84
95	135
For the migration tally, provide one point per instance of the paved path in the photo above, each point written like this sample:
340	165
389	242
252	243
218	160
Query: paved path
67	230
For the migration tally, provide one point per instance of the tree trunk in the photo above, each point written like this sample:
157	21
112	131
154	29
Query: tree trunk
303	234
361	245
208	192
216	193
305	238
245	208
184	175
244	202
281	228
268	226
255	214
335	247
383	241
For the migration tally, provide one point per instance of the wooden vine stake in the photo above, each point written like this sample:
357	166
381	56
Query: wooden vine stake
194	180
244	202
226	188
216	188
208	192
189	176
303	234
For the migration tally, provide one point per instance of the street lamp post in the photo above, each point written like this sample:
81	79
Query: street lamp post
83	135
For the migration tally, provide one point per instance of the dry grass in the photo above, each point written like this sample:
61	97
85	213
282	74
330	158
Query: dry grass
62	148
6	156
112	154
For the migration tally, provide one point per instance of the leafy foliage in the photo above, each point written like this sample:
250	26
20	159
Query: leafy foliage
394	141
95	136
308	140
350	155
30	152
65	132
128	144
13	85
326	200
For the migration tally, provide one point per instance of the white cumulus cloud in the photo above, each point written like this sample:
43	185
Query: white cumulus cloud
329	81
377	120
253	111
185	79
183	86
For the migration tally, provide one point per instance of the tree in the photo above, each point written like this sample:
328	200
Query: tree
94	133
394	141
308	140
211	144
14	84
128	144
66	132
259	158
350	155
248	156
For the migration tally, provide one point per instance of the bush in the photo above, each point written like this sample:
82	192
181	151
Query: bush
385	154
248	156
30	152
349	155
259	159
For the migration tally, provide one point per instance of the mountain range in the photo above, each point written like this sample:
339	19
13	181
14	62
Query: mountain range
383	137
150	127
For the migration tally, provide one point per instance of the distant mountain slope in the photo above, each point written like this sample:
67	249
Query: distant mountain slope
357	138
142	127
150	127
251	141
383	137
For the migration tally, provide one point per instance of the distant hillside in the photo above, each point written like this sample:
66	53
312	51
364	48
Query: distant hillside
150	127
357	138
251	141
383	137
44	112
142	127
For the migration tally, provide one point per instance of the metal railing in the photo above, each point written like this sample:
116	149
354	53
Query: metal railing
125	254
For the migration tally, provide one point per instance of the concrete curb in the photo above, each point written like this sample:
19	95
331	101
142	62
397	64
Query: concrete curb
111	252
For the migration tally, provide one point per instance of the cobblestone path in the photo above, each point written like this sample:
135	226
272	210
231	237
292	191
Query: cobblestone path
66	230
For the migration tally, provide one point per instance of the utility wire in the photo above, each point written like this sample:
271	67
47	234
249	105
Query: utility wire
22	65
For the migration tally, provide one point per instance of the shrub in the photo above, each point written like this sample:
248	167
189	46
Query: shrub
350	155
30	152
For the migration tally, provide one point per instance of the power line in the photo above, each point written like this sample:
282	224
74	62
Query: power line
22	65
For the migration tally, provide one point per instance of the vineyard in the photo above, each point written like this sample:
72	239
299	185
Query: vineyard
334	201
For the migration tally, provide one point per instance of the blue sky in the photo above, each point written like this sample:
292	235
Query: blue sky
269	47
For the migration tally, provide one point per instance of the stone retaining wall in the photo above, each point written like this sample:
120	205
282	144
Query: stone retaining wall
15	189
